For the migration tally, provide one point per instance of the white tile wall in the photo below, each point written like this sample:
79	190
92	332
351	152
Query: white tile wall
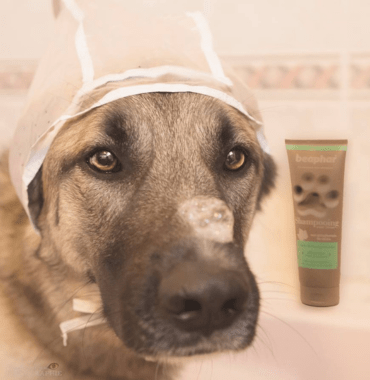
239	27
26	28
265	32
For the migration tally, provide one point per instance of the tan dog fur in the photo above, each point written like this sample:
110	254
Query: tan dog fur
173	135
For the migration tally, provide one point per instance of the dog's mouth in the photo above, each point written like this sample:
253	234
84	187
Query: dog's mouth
216	343
176	345
186	356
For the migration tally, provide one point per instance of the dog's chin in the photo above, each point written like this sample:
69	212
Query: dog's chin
187	358
204	349
220	341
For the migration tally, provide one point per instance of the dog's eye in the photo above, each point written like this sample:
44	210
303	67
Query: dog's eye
104	161
235	159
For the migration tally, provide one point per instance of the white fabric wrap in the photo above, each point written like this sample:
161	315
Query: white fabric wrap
79	323
99	43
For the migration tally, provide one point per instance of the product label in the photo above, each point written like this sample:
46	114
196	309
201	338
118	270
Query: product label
317	175
317	255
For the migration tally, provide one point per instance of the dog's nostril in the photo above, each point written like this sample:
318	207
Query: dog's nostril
191	310
230	306
315	194
191	305
179	305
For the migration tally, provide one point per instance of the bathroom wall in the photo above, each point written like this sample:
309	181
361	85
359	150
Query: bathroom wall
309	63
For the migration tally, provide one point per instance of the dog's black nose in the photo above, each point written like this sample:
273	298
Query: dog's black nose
203	298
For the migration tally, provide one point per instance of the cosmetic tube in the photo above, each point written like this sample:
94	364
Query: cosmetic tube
317	177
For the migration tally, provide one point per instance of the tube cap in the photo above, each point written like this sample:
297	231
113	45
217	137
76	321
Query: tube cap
320	296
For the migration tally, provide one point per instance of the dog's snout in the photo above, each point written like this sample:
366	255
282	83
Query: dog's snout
202	298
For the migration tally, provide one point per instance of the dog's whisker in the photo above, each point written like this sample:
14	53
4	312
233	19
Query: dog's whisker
70	298
274	291
168	366
83	331
43	350
77	327
230	358
211	370
267	301
200	368
156	371
253	346
269	349
165	367
276	283
293	329
55	340
51	343
260	281
60	308
270	346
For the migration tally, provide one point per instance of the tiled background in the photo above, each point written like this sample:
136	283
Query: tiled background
309	63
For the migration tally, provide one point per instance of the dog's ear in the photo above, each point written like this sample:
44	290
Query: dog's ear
35	197
269	178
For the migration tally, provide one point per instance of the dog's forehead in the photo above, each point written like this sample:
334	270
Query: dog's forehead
175	116
147	120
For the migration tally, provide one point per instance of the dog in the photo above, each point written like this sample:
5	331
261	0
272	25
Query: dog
106	202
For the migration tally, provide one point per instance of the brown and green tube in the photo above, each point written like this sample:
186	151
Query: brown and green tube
317	177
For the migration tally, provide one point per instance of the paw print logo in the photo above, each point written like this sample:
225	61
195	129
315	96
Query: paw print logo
315	195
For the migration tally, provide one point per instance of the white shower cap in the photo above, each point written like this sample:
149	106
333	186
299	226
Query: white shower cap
105	45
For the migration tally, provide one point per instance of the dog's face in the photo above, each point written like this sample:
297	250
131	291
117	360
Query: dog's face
112	186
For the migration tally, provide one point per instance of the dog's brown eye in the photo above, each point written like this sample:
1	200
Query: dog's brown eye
104	161
235	159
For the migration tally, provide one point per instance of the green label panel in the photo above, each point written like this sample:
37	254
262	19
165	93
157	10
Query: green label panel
316	147
317	255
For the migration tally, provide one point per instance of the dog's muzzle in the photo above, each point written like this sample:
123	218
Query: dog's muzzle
192	295
198	296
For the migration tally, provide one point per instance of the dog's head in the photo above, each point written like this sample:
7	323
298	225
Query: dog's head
108	198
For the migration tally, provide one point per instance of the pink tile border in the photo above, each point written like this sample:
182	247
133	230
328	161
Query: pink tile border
288	76
299	73
305	72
